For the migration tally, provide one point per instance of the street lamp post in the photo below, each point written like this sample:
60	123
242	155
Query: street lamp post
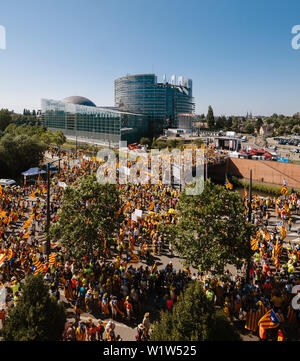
48	209
250	221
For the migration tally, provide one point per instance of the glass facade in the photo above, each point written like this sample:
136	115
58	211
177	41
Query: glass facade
160	101
94	123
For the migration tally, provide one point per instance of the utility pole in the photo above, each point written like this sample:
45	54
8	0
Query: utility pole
48	247
250	221
48	212
250	198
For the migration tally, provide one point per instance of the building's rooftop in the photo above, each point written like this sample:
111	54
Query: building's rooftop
78	100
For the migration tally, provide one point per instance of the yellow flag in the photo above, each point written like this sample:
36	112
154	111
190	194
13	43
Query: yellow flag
32	195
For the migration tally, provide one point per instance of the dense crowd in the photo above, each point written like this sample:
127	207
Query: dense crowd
117	288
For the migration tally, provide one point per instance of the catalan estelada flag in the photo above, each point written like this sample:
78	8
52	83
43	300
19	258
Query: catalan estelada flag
132	258
254	244
52	258
32	195
2	258
228	185
151	206
284	189
252	320
278	249
37	267
269	320
26	224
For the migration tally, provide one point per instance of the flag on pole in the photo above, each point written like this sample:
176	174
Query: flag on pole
278	249
228	185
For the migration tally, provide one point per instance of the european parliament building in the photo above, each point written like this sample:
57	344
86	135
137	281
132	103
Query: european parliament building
143	107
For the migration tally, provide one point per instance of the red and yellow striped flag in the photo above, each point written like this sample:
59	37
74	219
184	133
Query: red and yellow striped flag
52	258
37	267
254	244
2	258
269	320
252	320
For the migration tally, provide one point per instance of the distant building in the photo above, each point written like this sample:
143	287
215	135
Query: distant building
143	108
161	102
81	118
266	130
297	115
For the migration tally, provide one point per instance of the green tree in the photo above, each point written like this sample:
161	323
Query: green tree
47	137
236	125
258	124
11	128
210	119
211	231
19	152
193	318
59	138
249	128
220	122
5	118
296	130
281	130
174	143
228	123
37	316
89	216
146	141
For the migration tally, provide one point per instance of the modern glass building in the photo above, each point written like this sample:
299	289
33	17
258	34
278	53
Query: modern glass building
143	108
162	102
81	118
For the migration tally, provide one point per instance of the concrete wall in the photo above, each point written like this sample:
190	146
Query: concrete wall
265	171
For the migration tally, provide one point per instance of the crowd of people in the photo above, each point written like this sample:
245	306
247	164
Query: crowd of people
272	277
114	288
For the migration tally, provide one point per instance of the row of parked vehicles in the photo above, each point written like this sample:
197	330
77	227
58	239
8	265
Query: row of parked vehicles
288	141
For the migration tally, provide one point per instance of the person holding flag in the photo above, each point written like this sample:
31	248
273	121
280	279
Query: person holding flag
268	321
114	308
284	189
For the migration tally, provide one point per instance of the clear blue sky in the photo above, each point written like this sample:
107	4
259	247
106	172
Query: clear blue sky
238	52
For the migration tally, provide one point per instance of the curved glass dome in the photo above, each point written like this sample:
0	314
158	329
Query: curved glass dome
79	101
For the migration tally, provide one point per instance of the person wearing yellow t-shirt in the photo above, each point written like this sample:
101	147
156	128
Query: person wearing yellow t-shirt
81	332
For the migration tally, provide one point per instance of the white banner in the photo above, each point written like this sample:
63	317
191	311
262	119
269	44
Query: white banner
139	213
62	185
